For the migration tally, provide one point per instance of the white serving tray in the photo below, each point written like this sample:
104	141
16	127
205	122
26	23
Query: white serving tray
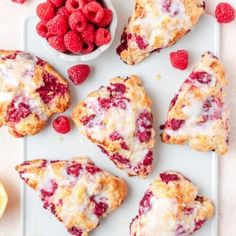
201	168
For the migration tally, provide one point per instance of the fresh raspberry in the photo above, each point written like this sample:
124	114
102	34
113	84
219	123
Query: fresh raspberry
45	11
57	25
179	59
77	21
57	42
87	47
102	36
224	13
74	5
57	3
42	29
88	34
107	18
93	11
18	1
73	42
78	73
63	12
61	125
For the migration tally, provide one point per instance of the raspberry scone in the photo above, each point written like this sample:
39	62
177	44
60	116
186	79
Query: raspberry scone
157	24
198	114
171	207
118	118
77	192
30	92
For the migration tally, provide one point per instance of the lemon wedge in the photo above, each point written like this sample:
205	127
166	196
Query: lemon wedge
3	199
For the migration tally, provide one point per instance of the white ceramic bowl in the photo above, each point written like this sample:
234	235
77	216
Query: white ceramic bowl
97	52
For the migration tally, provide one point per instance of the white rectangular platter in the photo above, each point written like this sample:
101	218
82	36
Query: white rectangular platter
201	168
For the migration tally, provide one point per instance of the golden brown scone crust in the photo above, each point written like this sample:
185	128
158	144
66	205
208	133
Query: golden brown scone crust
31	90
114	123
74	190
157	24
207	126
171	207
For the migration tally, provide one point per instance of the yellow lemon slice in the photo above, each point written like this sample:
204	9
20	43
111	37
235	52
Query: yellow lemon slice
3	199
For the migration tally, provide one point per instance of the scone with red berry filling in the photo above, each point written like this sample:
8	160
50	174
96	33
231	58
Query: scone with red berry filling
118	118
77	192
157	24
171	206
30	92
198	114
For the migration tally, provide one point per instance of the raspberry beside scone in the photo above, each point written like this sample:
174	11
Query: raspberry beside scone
118	118
77	192
171	206
30	92
157	24
198	114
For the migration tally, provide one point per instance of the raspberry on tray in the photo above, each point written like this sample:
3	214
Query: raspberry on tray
128	140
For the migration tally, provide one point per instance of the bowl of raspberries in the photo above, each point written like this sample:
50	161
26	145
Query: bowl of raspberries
78	30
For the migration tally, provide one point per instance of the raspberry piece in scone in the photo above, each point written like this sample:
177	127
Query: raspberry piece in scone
66	186
198	115
128	140
157	24
171	206
30	92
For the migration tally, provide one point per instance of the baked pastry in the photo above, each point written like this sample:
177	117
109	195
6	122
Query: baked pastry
157	24
171	207
3	199
198	114
118	118
30	92
77	192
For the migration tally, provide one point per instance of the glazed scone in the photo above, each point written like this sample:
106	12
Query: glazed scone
157	24
3	199
171	207
198	115
77	192
30	92
118	118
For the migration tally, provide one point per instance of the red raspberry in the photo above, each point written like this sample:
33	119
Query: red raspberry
74	5
78	73
107	18
45	11
63	12
77	21
224	13
42	29
61	125
73	42
179	59
102	36
93	11
88	34
18	1
87	47
57	25
56	3
57	42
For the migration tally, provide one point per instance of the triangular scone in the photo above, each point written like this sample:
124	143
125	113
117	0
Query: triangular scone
118	118
157	24
30	92
198	114
77	192
171	207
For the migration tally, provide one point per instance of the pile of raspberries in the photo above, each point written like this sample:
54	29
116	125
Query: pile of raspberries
74	26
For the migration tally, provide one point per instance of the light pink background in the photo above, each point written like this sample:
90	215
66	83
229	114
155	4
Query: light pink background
11	16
